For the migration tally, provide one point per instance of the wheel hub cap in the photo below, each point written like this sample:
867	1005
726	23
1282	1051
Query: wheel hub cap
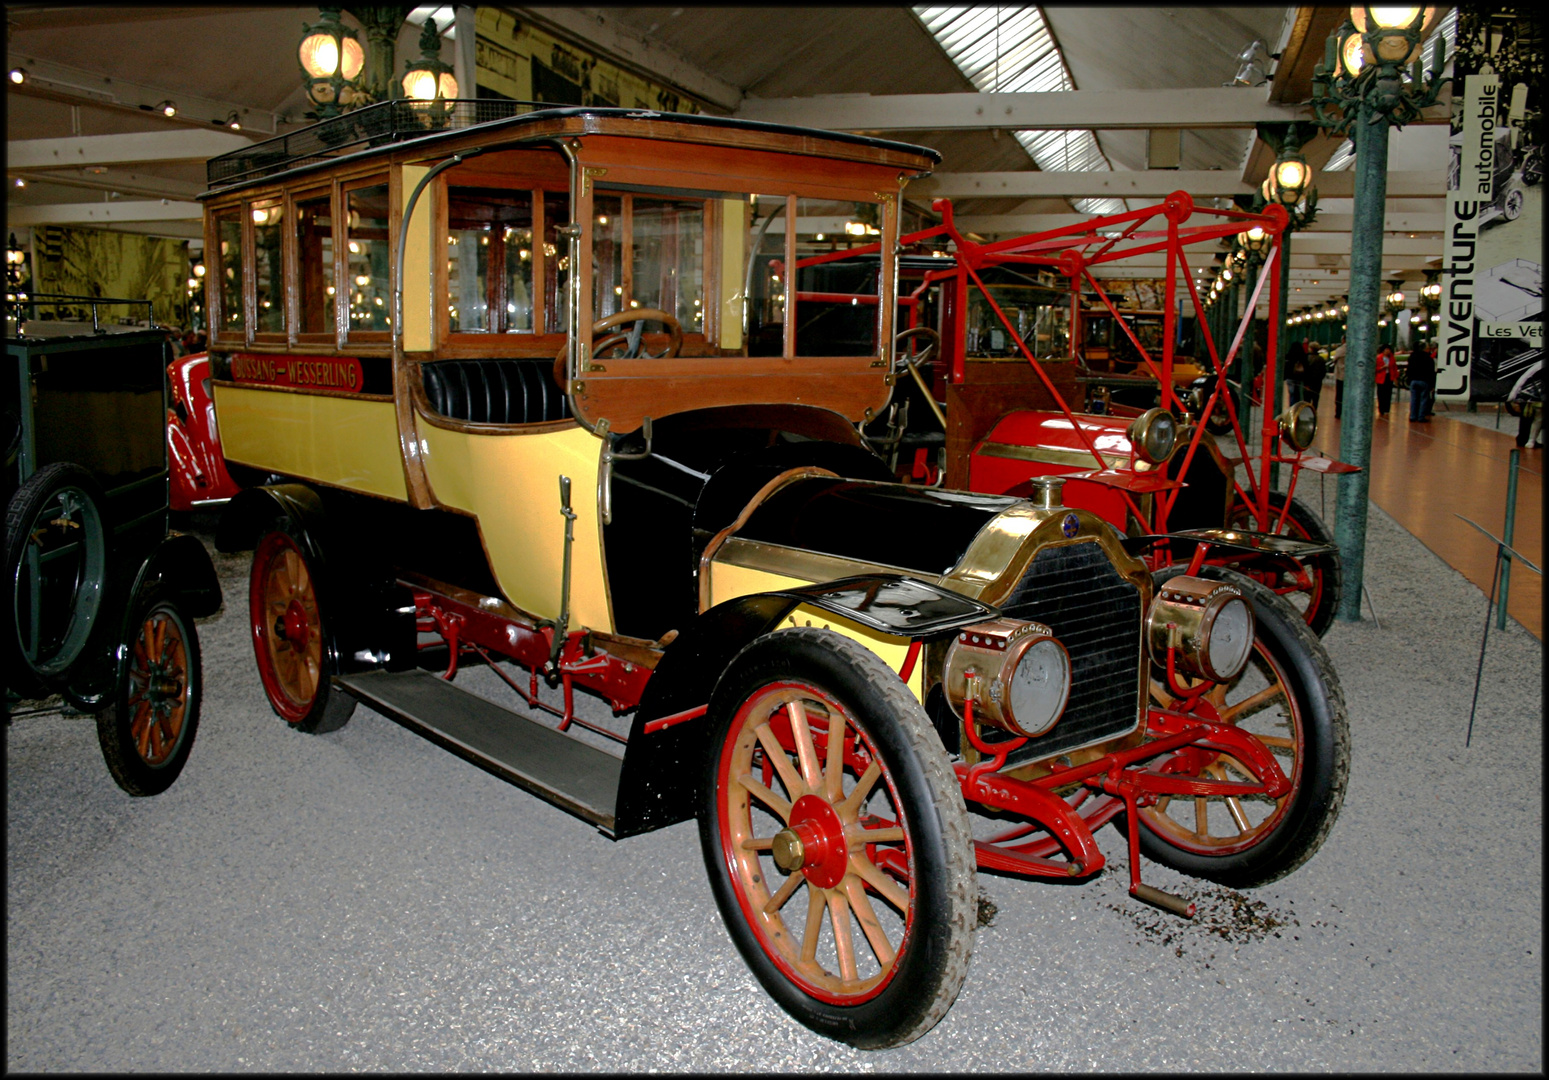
292	626
820	848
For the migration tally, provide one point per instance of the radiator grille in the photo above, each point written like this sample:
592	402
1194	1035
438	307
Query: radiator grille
1076	591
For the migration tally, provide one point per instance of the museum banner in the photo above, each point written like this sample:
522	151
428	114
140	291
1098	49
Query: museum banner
1491	333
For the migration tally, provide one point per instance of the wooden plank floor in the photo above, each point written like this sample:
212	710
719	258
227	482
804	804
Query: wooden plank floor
1424	474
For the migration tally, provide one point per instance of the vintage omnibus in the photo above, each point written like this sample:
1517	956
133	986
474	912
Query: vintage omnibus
529	384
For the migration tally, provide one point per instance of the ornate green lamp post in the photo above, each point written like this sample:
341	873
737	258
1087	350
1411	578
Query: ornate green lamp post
1361	89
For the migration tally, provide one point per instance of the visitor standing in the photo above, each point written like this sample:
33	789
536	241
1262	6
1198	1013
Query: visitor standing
1339	379
1295	370
1387	375
1312	378
1422	378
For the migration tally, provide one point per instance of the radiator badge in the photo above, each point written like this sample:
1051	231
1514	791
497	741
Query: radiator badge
1070	526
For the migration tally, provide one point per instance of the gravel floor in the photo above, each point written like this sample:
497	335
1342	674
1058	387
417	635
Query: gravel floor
364	900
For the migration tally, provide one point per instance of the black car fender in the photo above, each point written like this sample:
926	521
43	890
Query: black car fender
370	618
182	565
666	747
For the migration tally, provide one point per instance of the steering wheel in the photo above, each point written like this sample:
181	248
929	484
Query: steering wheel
630	339
933	345
912	364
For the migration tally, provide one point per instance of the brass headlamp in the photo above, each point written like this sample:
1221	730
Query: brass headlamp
1208	626
1016	673
1298	425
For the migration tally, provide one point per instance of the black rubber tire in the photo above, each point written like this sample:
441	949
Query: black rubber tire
116	724
1303	523
326	709
1308	675
23	675
933	952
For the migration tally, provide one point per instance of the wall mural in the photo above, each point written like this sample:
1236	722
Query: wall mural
96	262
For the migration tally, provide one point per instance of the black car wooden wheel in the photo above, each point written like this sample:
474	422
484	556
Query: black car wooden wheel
836	839
57	563
148	730
1289	699
290	639
1312	587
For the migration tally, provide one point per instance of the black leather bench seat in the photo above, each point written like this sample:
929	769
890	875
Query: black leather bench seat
502	391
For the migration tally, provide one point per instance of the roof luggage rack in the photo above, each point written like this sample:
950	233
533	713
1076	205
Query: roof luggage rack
375	125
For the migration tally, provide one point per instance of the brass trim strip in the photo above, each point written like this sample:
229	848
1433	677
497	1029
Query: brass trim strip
807	565
1048	455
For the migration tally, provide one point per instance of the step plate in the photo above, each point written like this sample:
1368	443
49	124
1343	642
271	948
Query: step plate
573	776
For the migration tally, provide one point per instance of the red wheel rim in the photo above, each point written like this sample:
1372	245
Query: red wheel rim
287	627
1264	705
780	772
158	688
1285	583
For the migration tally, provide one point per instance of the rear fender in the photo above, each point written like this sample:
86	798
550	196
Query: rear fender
370	617
662	762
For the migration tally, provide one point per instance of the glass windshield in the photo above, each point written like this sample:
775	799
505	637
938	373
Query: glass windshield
1039	315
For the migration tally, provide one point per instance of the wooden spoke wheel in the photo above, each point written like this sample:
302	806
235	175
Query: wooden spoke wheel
836	839
147	732
290	639
1311	586
1289	699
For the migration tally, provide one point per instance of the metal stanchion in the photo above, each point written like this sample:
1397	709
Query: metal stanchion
1506	536
1503	552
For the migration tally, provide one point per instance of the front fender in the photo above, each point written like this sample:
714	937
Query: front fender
183	566
659	785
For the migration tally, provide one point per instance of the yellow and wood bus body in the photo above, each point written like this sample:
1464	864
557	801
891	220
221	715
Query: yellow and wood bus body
501	276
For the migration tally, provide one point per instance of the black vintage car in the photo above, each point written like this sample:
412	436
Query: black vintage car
101	596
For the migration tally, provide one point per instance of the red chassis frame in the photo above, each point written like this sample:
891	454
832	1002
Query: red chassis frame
1073	250
1185	738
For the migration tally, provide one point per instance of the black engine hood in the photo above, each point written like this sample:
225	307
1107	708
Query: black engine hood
924	529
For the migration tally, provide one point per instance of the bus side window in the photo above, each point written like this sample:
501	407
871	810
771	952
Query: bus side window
367	257
269	267
556	261
315	264
489	261
228	272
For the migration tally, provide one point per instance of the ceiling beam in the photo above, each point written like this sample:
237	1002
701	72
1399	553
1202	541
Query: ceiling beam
1209	107
77	86
133	149
125	183
1148	184
631	49
1024	224
102	213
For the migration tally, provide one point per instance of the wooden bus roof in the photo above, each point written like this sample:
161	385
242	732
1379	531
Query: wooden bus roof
392	127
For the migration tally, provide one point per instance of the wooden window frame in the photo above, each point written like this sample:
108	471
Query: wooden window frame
475	343
215	302
349	337
330	338
250	259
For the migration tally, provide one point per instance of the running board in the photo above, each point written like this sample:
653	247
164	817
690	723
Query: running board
575	777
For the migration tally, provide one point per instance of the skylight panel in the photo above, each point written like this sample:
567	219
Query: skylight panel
1019	56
